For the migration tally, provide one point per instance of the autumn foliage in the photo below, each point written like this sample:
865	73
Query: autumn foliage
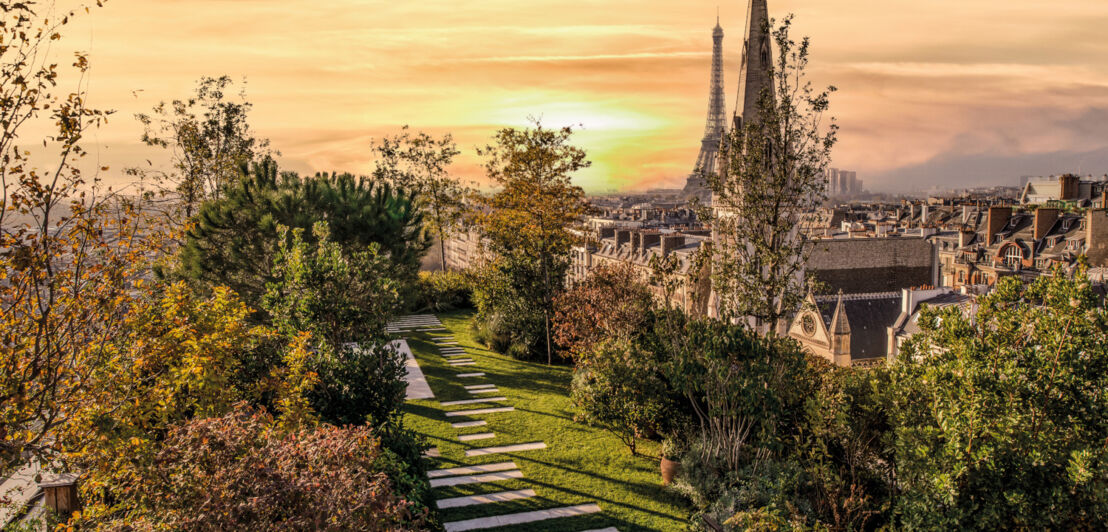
237	472
609	304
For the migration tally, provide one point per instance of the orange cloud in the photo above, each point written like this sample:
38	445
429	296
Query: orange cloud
918	80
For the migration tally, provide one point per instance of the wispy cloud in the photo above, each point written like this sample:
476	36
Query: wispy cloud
919	81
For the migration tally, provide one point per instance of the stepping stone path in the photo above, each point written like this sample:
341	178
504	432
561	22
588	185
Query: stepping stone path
506	449
521	518
414	322
418	388
458	502
468	424
475	479
478	436
474	401
480	411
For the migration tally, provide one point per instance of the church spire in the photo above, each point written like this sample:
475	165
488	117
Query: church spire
754	75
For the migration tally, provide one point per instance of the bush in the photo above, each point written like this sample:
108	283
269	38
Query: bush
442	291
237	473
359	385
616	386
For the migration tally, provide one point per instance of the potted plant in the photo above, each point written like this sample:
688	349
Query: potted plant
671	459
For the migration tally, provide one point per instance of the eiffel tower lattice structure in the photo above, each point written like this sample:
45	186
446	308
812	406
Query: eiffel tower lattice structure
708	161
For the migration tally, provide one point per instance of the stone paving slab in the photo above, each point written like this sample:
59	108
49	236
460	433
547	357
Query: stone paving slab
432	453
478	436
480	411
475	479
506	449
479	386
471	470
470	363
503	496
609	529
470	375
473	401
486	390
521	518
417	382
468	424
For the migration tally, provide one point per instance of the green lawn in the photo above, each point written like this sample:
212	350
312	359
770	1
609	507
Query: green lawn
580	465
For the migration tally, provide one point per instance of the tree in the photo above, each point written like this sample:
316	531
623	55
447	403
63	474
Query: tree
236	472
747	390
1001	417
617	385
418	162
527	220
772	172
68	252
610	304
208	137
235	236
173	362
344	300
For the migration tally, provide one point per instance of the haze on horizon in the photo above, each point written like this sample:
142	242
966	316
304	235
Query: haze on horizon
936	93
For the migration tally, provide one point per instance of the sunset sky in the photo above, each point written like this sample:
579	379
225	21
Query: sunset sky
942	92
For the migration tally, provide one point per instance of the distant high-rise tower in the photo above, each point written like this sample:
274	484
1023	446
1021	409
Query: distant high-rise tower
707	161
754	74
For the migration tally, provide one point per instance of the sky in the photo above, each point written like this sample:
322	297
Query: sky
930	94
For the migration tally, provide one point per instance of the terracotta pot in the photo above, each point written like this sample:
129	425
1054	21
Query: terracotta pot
669	470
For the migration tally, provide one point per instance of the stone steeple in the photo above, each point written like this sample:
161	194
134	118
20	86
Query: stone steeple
840	334
754	75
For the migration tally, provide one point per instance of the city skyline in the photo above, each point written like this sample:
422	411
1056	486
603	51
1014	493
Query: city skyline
941	93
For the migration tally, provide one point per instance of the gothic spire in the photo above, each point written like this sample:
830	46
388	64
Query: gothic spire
754	74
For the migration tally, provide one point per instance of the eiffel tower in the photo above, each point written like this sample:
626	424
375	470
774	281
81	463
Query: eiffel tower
707	161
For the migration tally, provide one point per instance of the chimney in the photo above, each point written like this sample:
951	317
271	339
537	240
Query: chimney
1069	186
965	214
965	236
998	218
925	214
1044	220
636	242
1096	237
622	237
671	242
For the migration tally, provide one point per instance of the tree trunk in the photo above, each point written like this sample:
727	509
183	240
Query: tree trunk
546	310
549	356
442	249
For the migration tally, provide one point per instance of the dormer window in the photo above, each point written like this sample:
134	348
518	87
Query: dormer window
1013	257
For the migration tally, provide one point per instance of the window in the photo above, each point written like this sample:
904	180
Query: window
1013	257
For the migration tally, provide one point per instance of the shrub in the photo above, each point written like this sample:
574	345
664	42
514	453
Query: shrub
610	303
442	291
618	388
237	472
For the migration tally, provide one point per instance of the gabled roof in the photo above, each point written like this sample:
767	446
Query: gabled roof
869	317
